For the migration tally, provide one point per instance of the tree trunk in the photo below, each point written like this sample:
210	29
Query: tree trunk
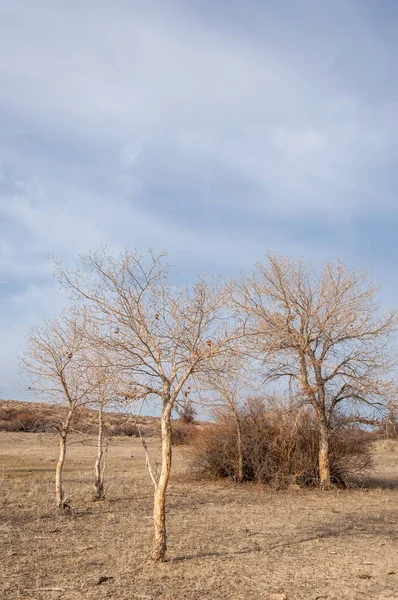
324	466
239	448
99	481
63	434
59	493
159	513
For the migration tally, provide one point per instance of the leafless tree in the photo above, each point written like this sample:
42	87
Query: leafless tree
100	460
324	332
225	389
53	360
106	391
229	391
162	336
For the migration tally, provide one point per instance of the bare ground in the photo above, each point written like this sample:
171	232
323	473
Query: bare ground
225	541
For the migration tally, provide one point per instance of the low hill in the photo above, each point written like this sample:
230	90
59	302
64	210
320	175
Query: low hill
40	417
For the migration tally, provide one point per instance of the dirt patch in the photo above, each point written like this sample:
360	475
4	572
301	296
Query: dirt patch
225	541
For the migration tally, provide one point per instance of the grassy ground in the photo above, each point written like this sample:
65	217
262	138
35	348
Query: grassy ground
225	541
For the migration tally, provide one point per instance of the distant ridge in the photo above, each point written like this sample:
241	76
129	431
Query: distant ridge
19	415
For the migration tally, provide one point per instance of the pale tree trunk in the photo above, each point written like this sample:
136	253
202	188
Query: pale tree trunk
99	479
239	447
240	451
59	492
63	434
319	406
159	513
324	463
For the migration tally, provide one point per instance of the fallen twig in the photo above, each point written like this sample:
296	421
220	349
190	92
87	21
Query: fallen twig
45	589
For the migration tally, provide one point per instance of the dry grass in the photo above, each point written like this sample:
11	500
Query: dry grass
225	541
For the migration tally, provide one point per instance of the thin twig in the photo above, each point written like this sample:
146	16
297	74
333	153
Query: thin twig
154	477
45	589
148	462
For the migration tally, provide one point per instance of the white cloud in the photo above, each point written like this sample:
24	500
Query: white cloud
130	153
246	124
113	75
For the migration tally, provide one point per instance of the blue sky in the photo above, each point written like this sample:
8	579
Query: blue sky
215	130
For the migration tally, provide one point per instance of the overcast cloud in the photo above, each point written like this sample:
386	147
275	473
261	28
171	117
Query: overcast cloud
215	130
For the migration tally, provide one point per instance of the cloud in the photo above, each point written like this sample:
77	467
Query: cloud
214	130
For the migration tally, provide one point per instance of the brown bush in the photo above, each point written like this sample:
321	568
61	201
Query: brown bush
279	448
13	418
186	411
182	432
26	421
389	429
8	425
130	429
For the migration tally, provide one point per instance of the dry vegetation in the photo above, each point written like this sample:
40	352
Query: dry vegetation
279	447
225	540
39	417
133	336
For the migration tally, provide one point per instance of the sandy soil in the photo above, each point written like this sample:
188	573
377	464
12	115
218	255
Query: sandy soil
225	541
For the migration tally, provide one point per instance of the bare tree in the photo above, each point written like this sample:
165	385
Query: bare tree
229	392
106	391
57	372
100	460
229	384
161	334
324	332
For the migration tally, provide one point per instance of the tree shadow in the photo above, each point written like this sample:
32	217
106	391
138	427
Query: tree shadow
383	483
217	554
344	527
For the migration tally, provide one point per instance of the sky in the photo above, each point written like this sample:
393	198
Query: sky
216	130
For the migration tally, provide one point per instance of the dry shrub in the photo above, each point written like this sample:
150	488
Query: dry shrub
280	447
8	425
186	411
26	421
33	421
389	429
128	429
183	432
